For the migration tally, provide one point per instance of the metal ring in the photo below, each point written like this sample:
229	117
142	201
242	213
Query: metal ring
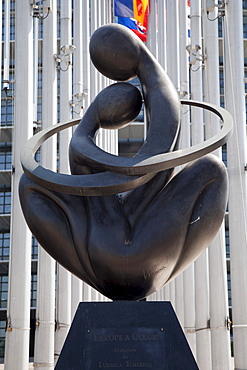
132	176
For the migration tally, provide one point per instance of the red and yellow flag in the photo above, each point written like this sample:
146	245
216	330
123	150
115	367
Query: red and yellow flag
141	11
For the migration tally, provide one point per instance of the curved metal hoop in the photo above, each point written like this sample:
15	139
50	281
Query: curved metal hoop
132	176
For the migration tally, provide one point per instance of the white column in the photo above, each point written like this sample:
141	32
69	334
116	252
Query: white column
18	311
173	51
94	80
189	307
106	135
6	45
162	33
152	46
63	301
103	82
85	52
35	66
203	345
45	308
76	287
86	289
188	275
113	134
94	72
152	28
100	140
173	42
179	298
173	72
220	336
172	293
236	154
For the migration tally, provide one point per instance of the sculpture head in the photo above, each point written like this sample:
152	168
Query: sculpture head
118	105
115	51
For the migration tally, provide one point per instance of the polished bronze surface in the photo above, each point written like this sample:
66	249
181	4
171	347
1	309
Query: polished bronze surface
127	245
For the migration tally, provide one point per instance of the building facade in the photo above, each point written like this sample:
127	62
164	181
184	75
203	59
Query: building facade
47	77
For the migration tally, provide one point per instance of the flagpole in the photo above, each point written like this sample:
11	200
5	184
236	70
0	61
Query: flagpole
188	275
63	299
236	163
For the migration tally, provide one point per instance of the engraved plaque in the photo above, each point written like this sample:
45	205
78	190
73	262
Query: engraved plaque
126	348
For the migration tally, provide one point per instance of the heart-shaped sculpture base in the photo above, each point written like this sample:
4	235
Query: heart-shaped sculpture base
128	247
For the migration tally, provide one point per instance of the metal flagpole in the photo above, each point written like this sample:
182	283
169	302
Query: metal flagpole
113	133
152	45
45	307
85	53
94	80
101	134
173	72
162	33
6	45
152	27
86	89
77	104
203	345
236	161
188	275
93	27
63	300
18	311
220	336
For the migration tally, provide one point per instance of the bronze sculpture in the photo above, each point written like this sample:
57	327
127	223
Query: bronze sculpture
127	246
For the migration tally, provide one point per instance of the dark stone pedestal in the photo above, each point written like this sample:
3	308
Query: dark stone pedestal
126	335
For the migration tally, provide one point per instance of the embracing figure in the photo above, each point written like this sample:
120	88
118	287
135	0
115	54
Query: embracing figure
128	245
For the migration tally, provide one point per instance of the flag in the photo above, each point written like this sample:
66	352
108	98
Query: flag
188	17
141	9
134	15
124	8
134	26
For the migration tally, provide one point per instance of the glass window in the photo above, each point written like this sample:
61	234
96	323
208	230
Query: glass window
2	337
245	79
39	109
5	200
12	20
3	291
39	83
224	154
5	156
33	290
221	81
12	5
229	289
222	101
227	243
7	109
245	25
34	248
40	35
4	245
12	27
220	27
